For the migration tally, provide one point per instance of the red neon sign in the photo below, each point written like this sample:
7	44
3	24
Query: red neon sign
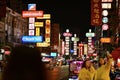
32	14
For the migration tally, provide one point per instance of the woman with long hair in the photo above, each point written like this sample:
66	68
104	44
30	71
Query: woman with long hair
102	73
87	71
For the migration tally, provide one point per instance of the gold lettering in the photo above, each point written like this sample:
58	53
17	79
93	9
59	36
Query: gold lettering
96	11
96	16
96	5
96	21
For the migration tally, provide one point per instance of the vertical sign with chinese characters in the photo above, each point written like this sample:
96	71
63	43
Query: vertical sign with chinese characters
47	31
96	9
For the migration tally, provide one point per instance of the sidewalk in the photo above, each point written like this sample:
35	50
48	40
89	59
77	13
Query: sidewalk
0	75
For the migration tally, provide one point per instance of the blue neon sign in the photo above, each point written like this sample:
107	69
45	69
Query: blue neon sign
31	6
32	39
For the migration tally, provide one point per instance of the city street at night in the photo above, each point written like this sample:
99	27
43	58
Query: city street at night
59	40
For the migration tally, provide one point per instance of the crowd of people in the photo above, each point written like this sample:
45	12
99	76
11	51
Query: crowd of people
25	63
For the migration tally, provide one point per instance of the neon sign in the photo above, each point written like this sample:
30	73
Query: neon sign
32	39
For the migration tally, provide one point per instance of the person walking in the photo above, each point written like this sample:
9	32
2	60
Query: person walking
102	72
87	71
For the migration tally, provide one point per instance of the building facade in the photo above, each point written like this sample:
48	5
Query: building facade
12	27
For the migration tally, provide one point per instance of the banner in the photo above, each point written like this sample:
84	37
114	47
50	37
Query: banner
96	13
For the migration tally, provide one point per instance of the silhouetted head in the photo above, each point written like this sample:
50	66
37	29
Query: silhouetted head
25	64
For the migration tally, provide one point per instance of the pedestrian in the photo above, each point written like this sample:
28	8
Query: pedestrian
2	65
95	64
87	71
25	63
102	73
112	73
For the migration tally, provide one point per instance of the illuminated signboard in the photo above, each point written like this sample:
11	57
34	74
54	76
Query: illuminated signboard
31	6
105	19
47	39
104	26
45	16
54	54
43	44
31	32
75	39
81	45
47	30
31	20
107	0
47	22
105	40
32	14
31	26
90	34
39	24
104	12
32	39
63	47
106	5
37	31
85	48
67	34
96	12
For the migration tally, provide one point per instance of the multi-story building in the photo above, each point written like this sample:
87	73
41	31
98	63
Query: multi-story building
114	23
118	28
15	26
12	25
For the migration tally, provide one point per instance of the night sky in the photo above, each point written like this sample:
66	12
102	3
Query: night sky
74	14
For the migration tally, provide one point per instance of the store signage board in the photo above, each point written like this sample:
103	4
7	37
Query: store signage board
32	39
27	14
